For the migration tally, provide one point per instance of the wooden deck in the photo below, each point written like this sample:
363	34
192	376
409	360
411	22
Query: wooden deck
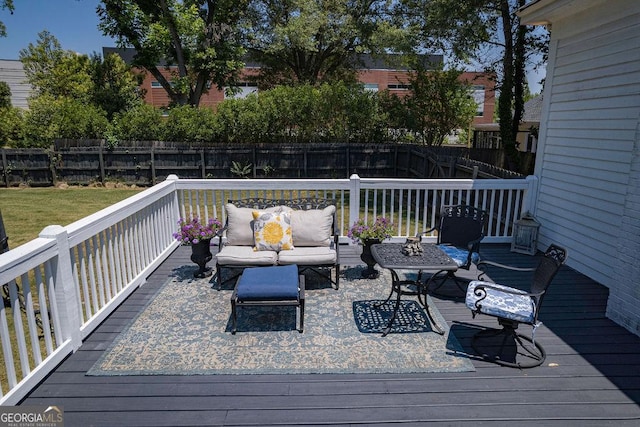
591	376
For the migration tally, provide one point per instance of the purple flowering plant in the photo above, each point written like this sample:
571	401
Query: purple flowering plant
192	230
381	228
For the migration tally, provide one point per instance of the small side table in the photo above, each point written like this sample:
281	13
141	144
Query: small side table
390	256
277	285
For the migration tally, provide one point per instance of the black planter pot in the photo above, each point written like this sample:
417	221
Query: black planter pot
367	258
201	255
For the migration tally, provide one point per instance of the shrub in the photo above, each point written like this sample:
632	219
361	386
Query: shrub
335	112
63	118
190	124
142	123
243	120
11	126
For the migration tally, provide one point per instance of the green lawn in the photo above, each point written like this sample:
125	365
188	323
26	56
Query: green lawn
27	211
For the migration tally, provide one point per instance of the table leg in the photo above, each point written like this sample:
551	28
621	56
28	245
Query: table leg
422	292
396	286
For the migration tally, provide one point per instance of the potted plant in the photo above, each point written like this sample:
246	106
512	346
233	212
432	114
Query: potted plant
367	234
198	235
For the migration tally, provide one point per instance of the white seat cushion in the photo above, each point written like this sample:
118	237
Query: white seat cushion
320	255
245	255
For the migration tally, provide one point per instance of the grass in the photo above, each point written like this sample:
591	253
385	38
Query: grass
27	211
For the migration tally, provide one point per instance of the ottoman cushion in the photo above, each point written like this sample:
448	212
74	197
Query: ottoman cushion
268	284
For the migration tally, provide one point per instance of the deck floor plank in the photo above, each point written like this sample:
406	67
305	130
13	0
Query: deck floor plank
591	375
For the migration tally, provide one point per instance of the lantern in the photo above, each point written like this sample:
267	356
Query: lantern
525	235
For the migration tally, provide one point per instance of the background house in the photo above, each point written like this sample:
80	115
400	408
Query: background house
487	135
376	74
588	160
12	72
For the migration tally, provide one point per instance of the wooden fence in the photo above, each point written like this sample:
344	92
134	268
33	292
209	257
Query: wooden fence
145	164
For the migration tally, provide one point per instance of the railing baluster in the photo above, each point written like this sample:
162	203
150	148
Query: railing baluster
45	309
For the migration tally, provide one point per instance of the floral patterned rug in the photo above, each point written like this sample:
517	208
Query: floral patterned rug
184	330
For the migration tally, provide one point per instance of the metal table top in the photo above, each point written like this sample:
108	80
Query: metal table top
389	255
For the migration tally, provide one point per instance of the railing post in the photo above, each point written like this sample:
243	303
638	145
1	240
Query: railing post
176	212
67	297
529	202
354	199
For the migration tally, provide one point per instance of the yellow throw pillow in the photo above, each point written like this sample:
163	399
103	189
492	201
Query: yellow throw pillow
272	231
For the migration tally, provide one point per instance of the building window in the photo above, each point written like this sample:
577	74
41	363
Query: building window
371	87
477	92
399	86
156	84
241	90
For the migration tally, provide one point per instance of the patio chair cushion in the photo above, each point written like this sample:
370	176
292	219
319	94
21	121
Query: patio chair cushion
459	255
240	224
268	284
272	231
520	307
312	227
245	255
306	255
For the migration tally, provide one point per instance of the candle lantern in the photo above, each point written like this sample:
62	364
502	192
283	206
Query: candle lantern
525	235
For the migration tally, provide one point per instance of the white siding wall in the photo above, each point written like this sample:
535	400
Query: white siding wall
12	73
589	199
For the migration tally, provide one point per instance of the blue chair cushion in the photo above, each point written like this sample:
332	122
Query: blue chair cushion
268	283
459	255
520	308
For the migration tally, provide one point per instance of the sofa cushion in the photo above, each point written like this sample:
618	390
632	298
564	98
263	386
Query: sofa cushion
245	255
319	255
272	231
312	227
240	224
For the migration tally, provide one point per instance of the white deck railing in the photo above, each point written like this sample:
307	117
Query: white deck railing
63	284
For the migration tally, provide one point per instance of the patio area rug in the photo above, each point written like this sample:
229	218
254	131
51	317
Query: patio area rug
184	330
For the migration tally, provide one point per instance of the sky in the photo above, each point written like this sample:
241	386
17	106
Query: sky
75	24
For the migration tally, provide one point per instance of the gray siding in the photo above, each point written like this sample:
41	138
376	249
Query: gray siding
588	201
12	73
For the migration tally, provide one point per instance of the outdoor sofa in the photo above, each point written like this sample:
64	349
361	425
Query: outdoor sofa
309	236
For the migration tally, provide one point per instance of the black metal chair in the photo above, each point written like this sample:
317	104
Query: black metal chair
460	230
512	307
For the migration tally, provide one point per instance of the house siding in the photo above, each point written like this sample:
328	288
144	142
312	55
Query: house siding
588	161
624	299
13	74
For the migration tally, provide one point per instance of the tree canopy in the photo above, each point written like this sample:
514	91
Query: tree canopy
5	5
313	41
486	33
198	37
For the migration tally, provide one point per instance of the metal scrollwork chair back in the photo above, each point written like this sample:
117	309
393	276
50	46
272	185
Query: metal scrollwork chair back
460	230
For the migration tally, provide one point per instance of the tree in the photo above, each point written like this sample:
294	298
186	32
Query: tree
5	5
55	72
438	105
312	41
199	37
487	32
115	85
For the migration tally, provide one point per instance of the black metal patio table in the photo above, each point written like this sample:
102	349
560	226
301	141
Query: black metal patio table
390	256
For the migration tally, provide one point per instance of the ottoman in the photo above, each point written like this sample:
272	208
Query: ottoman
276	285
